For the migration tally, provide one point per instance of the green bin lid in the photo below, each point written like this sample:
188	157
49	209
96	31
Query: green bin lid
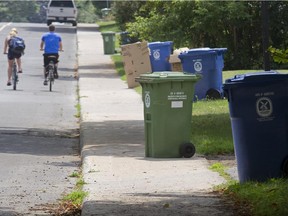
108	33
167	76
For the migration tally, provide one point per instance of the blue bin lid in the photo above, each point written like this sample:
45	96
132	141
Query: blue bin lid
203	51
158	43
220	51
254	78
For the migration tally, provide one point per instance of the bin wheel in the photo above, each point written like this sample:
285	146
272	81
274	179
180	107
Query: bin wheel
285	167
213	94
187	150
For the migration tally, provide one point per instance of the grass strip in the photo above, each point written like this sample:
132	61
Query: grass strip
263	199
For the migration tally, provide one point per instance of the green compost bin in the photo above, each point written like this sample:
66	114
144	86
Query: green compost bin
108	42
167	98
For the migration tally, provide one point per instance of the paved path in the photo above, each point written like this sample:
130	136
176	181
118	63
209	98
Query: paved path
120	179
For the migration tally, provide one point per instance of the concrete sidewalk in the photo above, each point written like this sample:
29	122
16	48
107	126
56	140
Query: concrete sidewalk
120	180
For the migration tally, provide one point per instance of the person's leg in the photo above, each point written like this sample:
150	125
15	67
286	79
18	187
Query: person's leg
19	64
45	60
9	70
56	68
10	59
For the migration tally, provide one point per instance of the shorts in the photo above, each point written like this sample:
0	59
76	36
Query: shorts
47	60
12	55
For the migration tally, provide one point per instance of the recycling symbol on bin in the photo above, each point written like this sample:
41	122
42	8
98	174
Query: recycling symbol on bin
156	54
147	100
264	107
198	66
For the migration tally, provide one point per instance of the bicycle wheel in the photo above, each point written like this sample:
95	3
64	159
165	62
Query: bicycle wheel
51	75
15	76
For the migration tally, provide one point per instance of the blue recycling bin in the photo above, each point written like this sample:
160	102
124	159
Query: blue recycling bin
259	118
208	62
159	55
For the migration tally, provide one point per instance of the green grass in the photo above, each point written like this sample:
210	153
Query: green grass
76	197
108	26
80	183
262	199
75	175
221	169
78	108
211	127
254	198
117	59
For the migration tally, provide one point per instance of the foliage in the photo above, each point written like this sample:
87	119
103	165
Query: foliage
124	11
18	11
279	56
236	25
108	26
86	11
99	5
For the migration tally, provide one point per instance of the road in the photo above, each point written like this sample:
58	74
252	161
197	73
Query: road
39	146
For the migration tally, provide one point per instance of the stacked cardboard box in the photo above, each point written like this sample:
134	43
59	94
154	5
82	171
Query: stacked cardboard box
136	61
175	61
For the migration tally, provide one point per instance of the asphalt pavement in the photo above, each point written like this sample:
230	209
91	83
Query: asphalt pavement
119	178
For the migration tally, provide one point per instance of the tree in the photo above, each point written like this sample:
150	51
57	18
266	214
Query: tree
17	11
86	11
236	25
124	12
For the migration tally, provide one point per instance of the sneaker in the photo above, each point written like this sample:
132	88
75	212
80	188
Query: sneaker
9	83
45	82
20	71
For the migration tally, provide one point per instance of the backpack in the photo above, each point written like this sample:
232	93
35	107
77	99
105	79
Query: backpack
17	45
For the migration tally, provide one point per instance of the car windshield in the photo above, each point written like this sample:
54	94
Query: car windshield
61	4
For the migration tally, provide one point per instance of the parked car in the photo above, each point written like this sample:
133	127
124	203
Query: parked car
62	11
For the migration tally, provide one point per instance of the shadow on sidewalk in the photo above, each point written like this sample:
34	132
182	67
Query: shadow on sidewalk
160	204
96	66
114	138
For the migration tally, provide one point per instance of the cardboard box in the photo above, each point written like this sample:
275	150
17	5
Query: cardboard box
175	61
136	61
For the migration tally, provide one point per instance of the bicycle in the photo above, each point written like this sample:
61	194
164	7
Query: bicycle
15	77
50	70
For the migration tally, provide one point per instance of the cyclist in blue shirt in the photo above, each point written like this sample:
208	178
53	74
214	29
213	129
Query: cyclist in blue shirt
52	44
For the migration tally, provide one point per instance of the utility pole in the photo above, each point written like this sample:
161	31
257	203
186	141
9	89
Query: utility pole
265	34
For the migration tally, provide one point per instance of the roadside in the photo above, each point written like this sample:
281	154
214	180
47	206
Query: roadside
119	179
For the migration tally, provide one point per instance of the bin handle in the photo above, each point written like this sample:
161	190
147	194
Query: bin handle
163	75
242	76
